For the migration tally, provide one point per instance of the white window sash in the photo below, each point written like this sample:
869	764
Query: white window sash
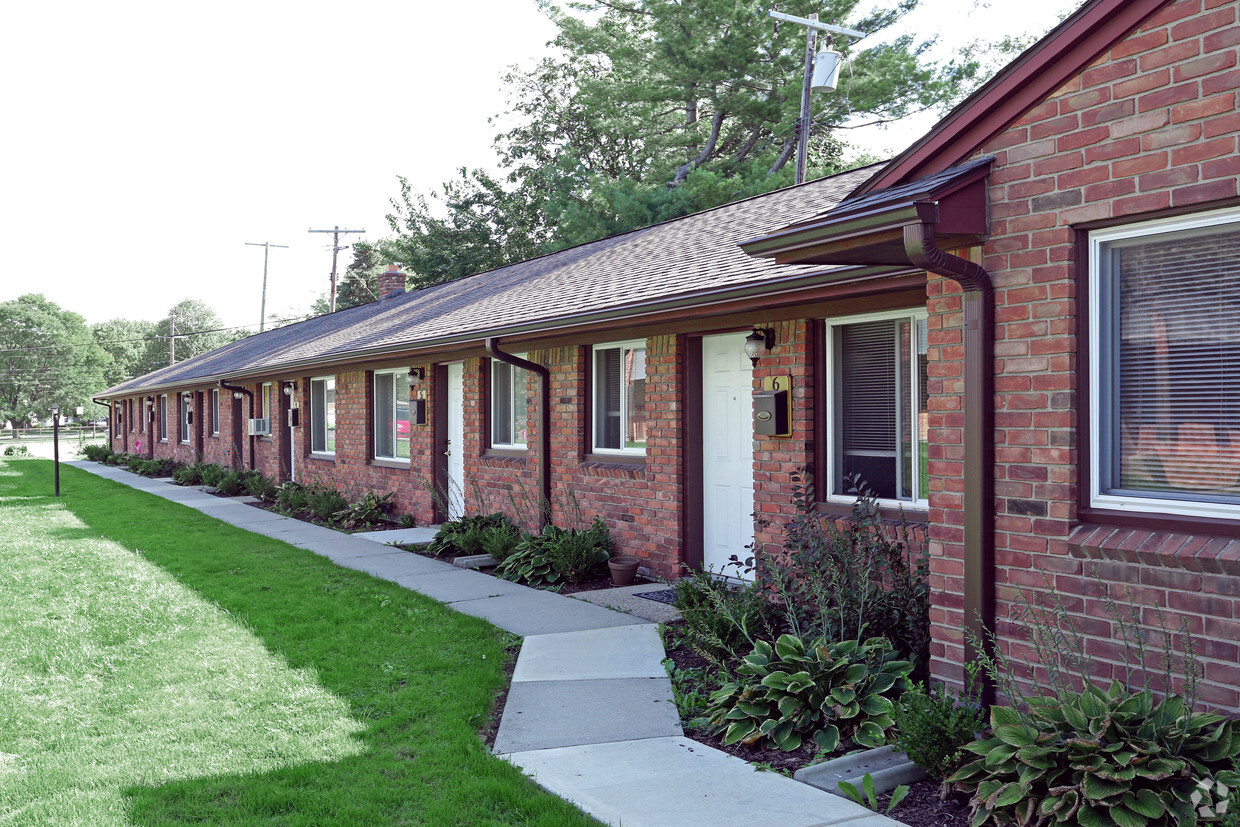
623	347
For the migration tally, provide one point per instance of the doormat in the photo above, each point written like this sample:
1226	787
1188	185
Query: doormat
662	596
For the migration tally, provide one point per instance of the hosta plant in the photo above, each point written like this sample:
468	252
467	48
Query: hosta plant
823	691
1114	757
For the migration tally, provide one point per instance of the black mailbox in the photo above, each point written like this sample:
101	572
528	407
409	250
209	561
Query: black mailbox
294	417
770	413
417	411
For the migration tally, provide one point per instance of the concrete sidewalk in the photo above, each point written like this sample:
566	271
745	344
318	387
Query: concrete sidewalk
590	714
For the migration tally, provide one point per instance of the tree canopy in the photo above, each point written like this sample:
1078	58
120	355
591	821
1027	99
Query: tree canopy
654	109
197	328
47	357
126	343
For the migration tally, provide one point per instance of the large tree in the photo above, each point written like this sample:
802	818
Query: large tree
197	329
126	342
47	357
653	109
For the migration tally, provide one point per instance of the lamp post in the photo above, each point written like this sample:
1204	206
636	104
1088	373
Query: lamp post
56	445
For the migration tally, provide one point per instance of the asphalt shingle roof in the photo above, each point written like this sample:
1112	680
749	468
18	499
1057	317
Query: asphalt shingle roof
686	256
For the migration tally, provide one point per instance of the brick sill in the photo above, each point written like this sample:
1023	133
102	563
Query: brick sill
1199	550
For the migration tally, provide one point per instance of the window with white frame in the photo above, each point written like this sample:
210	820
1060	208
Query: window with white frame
163	418
620	398
1164	347
877	408
215	411
391	415
323	415
186	415
509	419
266	400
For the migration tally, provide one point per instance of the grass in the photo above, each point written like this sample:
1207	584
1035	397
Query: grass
160	667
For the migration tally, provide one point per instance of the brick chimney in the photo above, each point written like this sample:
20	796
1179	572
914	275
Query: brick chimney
391	282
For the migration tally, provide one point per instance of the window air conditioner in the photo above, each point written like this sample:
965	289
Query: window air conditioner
260	427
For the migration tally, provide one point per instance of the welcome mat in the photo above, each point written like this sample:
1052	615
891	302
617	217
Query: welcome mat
662	596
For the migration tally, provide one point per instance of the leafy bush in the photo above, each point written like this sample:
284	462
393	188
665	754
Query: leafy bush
257	485
211	474
230	484
96	452
324	502
578	555
722	619
188	475
291	497
530	561
500	541
465	535
117	459
817	689
134	462
407	521
933	726
16	451
369	510
1101	758
852	578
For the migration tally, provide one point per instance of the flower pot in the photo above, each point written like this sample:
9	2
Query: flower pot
623	570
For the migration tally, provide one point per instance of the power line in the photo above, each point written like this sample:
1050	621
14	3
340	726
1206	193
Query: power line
336	248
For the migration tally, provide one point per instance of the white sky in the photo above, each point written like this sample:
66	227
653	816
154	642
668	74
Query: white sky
145	143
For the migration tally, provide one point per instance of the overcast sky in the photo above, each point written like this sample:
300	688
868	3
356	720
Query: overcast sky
145	143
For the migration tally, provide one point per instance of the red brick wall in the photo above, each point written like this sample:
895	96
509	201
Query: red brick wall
1150	125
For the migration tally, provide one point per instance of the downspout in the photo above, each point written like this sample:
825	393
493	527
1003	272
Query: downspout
249	395
544	425
979	419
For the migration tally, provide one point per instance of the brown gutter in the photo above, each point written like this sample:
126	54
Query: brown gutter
544	424
979	449
249	395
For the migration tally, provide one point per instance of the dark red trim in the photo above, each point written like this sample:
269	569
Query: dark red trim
691	449
1026	81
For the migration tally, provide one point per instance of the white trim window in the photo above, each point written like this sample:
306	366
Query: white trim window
186	416
215	411
509	417
877	406
1164	346
392	415
163	418
620	398
266	401
323	415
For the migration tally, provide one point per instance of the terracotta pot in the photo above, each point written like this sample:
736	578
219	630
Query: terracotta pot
623	570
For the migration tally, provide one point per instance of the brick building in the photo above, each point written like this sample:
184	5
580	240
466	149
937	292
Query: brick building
1019	331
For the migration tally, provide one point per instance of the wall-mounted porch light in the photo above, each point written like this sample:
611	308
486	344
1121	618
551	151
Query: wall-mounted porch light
289	387
759	343
416	377
238	395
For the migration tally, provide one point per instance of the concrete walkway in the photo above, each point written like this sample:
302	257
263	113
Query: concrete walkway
590	713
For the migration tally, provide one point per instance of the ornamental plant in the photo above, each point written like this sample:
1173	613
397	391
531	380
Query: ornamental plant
816	689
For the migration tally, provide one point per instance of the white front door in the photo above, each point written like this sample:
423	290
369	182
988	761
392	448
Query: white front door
456	441
727	451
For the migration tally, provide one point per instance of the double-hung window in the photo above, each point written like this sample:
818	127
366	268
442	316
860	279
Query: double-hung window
266	401
391	415
509	420
215	411
620	398
323	415
186	416
163	418
1164	348
877	406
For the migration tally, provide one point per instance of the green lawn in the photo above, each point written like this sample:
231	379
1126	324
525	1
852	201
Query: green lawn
159	667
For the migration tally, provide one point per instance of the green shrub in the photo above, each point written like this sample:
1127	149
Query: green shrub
852	578
1102	758
933	726
407	521
723	619
371	509
500	541
95	452
134	462
796	689
188	475
291	497
118	459
324	502
530	560
230	484
578	555
211	474
257	485
465	535
16	451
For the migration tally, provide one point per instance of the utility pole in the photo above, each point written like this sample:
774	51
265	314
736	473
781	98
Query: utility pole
811	45
266	245
172	340
336	248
